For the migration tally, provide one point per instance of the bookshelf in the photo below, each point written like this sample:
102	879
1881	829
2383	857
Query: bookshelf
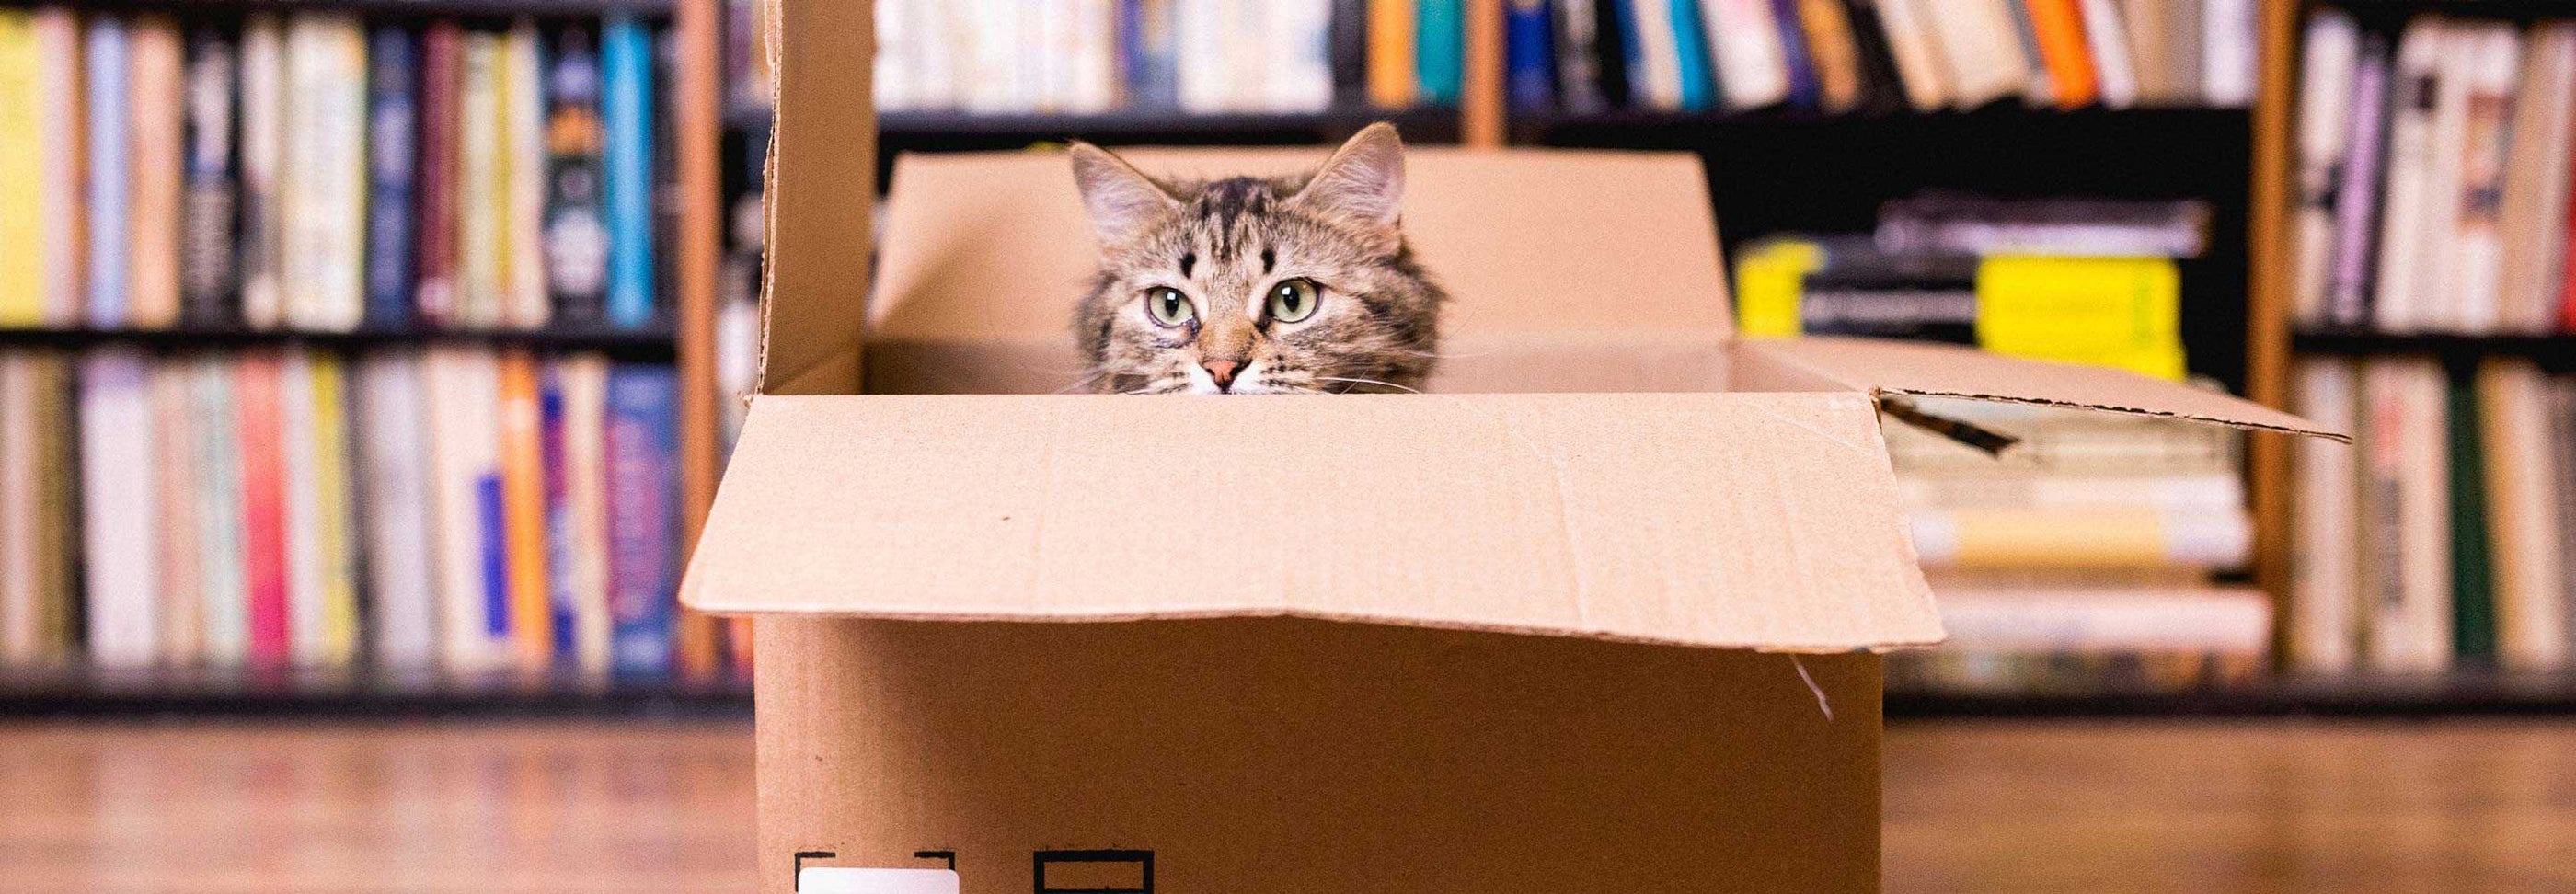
644	345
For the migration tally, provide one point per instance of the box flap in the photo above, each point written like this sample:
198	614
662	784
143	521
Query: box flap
1734	520
1556	246
1936	370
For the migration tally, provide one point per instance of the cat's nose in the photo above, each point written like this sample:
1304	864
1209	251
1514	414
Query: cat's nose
1222	371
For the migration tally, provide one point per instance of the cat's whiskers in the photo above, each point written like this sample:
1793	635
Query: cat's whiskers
1368	382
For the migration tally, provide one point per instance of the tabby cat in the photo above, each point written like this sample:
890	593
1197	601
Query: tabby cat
1256	286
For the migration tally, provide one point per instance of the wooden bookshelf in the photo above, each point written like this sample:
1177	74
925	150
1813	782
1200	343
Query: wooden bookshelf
654	344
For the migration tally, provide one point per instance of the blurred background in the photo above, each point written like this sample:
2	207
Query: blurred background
366	366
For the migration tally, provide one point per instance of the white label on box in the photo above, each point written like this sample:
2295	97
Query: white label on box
851	880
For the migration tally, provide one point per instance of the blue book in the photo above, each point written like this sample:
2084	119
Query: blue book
642	458
1805	92
1529	49
562	582
1439	50
1630	78
495	549
1690	41
393	75
108	117
1147	55
626	111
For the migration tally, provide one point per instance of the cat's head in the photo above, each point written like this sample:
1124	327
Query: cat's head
1255	286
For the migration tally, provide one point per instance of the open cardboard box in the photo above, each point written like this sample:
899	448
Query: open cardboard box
1520	634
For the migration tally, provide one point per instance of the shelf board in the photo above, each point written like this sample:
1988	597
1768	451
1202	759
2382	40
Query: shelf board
2368	695
342	694
2559	348
654	344
2007	110
481	9
1128	125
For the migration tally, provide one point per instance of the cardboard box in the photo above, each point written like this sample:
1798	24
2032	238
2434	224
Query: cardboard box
1523	634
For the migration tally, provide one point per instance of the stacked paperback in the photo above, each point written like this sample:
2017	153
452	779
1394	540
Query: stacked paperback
457	509
308	171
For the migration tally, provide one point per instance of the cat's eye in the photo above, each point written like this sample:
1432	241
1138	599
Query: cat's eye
1293	300
1168	306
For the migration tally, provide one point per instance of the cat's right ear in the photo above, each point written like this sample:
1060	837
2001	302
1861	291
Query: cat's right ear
1122	200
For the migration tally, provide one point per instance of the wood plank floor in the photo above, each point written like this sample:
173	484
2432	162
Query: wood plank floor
1985	807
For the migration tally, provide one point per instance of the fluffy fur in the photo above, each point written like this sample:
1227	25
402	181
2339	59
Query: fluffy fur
1228	246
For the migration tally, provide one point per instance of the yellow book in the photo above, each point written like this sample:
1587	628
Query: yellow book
523	511
22	209
1393	78
2119	312
1769	278
335	528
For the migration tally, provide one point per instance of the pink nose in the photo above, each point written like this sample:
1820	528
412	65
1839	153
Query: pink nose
1222	371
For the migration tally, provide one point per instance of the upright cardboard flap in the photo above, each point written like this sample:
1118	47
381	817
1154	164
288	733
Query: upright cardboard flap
1735	520
1931	370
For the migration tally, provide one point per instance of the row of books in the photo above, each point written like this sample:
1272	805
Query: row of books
1580	56
2074	280
2446	537
458	509
2434	176
310	171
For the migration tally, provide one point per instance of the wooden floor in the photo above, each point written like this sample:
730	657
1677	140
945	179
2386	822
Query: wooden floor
562	808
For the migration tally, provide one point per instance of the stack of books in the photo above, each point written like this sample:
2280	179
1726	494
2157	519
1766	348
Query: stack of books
2434	173
2446	538
309	171
452	508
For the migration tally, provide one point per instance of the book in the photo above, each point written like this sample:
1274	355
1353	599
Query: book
436	241
1393	81
2473	620
641	454
523	510
2115	71
576	236
393	142
391	406
2080	537
2525	512
576	507
325	187
1940	222
2221	490
2327	59
109	184
1830	49
1151	76
1348	46
1919	297
180	592
2039	91
2325	568
1295	43
223	583
258	390
1918	61
1529	54
36	538
482	184
1690	55
1092	72
1796	62
2161	45
2470	299
1615	22
206	268
118	492
1655	78
465	493
2356	194
2536	194
1578	45
1883	88
626	111
2424	122
2229	45
2057	28
1440	49
2406	515
2085	619
1983	60
2561	405
262	225
22	170
156	81
523	178
321	598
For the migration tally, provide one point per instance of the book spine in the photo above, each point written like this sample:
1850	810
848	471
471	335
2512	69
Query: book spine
180	591
442	51
2057	27
2114	67
1093	69
156	84
335	531
582	381
1829	46
263	505
576	235
1578	60
394	464
641	451
1440	50
2328	52
2406	517
2473	292
263	152
1349	49
109	146
23	215
523	495
2536	179
2080	537
2473	615
393	118
1691	56
2235	620
481	196
626	60
2524	516
25	405
2229	46
2357	198
206	253
307	595
117	494
2325	603
1654	75
326	163
1153	75
1624	56
561	585
464	444
225	600
523	178
1917	60
1393	82
1805	91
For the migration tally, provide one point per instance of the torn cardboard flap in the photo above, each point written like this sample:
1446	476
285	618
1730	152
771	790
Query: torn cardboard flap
1761	521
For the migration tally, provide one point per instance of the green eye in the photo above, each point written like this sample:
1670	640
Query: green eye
1293	300
1168	306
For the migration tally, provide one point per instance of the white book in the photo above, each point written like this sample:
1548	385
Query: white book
1979	47
180	595
2411	140
225	594
2525	513
263	157
939	48
898	54
324	182
2228	52
394	467
2406	529
1247	38
581	559
2488	55
1752	71
2325	565
1299	70
1051	34
2325	97
525	302
1096	60
464	443
2233	620
1918	58
118	494
991	80
1199	35
2108	42
2536	181
1656	73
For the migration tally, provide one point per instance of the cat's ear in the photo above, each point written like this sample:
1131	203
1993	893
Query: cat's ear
1362	184
1121	199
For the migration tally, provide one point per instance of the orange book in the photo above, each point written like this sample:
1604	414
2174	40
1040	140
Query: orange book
2059	25
156	65
1394	82
523	510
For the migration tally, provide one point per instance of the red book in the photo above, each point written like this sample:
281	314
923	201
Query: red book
263	489
442	52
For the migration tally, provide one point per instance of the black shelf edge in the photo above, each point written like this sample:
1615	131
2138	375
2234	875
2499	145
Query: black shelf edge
1781	115
631	344
347	695
2435	695
475	9
2354	343
1147	122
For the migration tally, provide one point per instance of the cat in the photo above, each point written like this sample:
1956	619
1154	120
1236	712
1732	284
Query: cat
1248	285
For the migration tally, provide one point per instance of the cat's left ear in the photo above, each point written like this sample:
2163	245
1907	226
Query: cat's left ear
1121	199
1362	185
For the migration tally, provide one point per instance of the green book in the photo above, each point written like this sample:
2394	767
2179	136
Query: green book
2473	621
1439	50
